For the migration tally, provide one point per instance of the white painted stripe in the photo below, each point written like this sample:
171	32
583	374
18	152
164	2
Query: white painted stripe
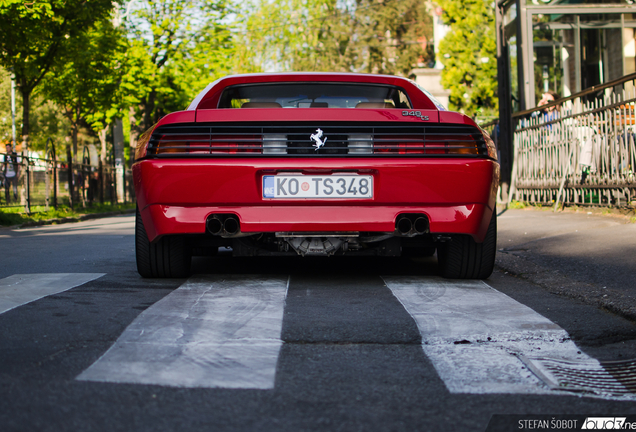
213	331
474	334
21	289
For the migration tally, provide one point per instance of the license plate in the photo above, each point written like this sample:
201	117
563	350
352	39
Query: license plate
305	186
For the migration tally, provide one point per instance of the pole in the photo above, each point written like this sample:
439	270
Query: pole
54	157
26	161
69	176
101	181
46	174
113	195
13	109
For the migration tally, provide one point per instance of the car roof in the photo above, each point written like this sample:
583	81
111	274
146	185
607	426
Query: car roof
208	98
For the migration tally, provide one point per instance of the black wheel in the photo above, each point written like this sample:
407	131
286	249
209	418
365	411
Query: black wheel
463	258
167	257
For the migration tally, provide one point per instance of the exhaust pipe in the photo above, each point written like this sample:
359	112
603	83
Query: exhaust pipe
231	225
420	225
214	225
404	225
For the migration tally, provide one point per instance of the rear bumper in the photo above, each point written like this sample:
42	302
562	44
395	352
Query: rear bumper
177	196
467	219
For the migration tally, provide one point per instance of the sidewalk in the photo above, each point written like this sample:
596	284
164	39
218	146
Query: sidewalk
63	216
589	257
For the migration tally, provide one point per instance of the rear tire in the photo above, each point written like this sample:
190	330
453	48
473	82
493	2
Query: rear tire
168	257
463	258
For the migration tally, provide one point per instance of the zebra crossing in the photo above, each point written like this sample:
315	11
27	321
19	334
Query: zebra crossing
20	289
211	332
224	331
474	335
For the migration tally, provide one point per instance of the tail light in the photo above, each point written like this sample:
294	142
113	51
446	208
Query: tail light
142	142
463	144
490	145
212	140
235	144
193	144
451	144
182	144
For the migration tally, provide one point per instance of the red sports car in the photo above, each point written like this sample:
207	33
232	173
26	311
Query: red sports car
316	164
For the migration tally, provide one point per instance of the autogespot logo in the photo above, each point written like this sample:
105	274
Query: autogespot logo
605	423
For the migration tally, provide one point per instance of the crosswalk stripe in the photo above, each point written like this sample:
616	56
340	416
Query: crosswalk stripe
473	334
21	289
213	331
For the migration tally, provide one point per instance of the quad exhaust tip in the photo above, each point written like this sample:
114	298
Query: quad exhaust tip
411	224
420	226
404	225
223	225
231	225
214	225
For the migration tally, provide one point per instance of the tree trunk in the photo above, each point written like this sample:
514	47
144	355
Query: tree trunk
102	139
69	171
102	162
149	107
134	133
26	108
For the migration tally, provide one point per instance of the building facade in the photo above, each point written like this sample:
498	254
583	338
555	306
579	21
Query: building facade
563	46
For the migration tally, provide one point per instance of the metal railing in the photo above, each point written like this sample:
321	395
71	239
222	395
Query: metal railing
578	150
50	182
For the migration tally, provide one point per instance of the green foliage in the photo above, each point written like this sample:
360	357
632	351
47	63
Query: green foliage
34	34
94	61
517	205
86	83
471	80
177	47
391	33
47	119
328	35
33	10
5	108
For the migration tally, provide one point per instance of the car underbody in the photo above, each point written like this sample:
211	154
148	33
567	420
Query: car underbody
411	233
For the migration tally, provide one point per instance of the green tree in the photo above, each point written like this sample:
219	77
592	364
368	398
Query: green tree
468	53
86	85
34	35
177	47
297	35
391	34
47	120
375	36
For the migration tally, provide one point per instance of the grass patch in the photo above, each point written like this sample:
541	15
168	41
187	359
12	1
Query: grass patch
517	205
17	216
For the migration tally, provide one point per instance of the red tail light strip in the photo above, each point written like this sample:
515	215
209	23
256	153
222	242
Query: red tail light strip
295	140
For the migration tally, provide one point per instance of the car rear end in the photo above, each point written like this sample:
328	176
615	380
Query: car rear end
320	181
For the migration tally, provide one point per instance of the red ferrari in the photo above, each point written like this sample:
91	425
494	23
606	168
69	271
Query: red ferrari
316	164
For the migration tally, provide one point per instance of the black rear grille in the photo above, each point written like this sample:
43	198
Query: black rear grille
337	140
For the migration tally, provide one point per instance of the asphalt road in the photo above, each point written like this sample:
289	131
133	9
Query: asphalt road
582	255
323	344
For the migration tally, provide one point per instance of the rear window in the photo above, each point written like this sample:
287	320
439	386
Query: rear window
314	95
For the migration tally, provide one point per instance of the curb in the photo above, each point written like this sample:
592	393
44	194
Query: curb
58	221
